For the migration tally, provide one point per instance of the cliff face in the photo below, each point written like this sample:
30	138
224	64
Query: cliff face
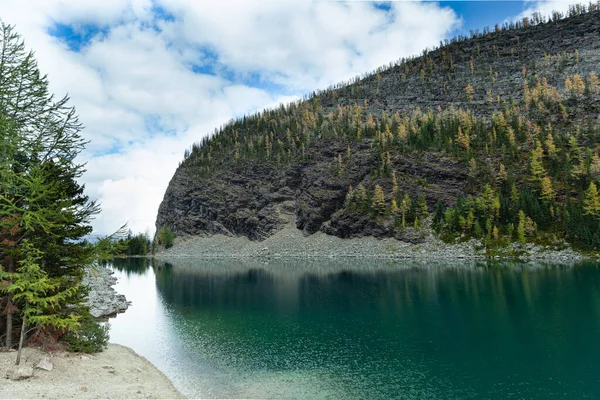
298	163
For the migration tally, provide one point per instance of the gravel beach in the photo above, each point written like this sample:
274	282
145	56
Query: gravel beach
290	242
116	373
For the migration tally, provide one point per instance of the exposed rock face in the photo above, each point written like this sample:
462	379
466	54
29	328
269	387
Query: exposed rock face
256	199
103	300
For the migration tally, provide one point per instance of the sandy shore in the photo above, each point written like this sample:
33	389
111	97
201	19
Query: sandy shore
116	373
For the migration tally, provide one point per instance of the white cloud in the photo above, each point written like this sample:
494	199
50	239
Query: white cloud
141	102
546	7
304	44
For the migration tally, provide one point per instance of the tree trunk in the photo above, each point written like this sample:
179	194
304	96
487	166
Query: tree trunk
9	323
9	310
21	339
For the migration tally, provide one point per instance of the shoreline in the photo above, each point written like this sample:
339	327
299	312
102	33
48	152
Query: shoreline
291	243
117	372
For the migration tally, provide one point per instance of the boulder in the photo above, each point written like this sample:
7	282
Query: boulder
19	372
45	364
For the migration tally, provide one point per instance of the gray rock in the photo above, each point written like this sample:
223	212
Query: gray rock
45	364
19	372
103	300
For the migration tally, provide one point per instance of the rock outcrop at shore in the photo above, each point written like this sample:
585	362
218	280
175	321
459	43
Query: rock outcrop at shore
103	300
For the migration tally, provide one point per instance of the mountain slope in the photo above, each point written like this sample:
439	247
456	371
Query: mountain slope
495	136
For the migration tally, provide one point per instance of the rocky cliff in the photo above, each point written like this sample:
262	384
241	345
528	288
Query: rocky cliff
423	132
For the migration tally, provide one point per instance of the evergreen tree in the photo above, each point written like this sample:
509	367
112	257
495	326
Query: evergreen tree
43	210
521	228
41	299
591	203
404	207
535	166
547	193
378	201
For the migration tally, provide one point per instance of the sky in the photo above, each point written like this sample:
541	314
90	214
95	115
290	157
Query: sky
150	77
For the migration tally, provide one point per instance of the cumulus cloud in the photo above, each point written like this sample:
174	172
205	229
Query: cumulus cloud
150	77
545	7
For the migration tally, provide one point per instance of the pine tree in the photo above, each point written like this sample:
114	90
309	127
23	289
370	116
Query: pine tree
41	299
535	167
394	206
422	208
593	86
469	92
591	203
463	139
501	176
578	85
547	193
521	228
550	146
378	202
349	196
514	194
42	206
595	168
360	196
404	207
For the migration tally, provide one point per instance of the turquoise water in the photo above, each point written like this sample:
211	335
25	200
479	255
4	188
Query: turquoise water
372	330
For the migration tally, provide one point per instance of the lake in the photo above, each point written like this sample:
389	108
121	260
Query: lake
371	329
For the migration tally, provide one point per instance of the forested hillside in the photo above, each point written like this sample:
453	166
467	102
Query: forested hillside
495	136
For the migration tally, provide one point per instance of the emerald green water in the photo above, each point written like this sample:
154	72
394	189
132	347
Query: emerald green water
359	329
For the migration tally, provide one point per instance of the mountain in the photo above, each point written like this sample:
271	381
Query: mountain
495	136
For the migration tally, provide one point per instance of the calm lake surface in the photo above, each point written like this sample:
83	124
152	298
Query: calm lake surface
365	329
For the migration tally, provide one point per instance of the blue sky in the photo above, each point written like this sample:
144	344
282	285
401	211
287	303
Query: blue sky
479	14
150	77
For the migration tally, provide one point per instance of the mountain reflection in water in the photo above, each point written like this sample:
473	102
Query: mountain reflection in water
365	329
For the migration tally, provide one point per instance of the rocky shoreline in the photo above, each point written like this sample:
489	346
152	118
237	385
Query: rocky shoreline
103	300
290	242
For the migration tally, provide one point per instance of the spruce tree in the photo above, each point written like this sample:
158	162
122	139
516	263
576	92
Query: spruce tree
42	206
40	299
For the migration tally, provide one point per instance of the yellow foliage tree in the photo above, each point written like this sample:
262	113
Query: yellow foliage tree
463	139
547	192
595	168
378	202
550	146
578	85
591	203
501	176
535	166
469	92
394	207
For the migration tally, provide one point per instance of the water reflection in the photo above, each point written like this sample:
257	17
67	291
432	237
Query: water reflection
135	266
382	329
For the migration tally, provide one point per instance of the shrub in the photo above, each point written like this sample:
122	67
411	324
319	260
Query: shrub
92	336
